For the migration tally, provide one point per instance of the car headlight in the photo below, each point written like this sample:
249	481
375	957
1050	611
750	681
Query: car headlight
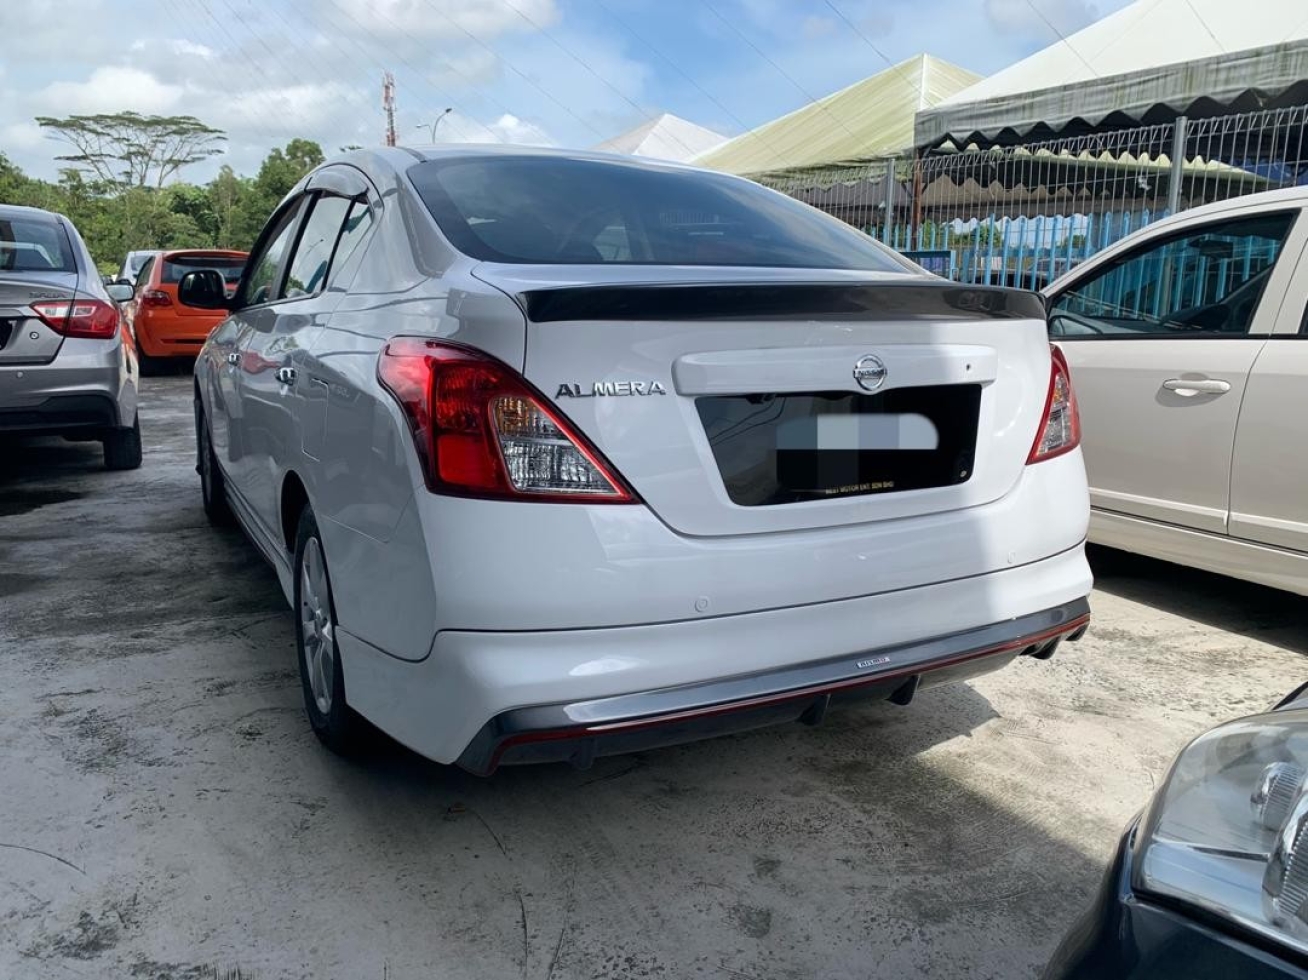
1228	832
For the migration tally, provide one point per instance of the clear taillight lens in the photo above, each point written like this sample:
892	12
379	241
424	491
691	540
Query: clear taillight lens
481	430
1060	430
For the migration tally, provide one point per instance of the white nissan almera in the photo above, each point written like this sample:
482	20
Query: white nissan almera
559	455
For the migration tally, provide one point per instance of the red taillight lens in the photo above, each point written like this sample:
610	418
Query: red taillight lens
481	430
156	297
79	317
1060	426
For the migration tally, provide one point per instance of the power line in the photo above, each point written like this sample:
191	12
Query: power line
1204	24
1048	23
916	83
509	65
781	71
558	44
748	130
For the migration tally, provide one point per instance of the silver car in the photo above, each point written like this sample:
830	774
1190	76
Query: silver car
66	364
559	455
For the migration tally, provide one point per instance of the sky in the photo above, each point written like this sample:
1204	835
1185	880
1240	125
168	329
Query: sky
555	72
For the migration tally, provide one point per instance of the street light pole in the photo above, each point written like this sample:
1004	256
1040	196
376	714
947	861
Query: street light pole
432	126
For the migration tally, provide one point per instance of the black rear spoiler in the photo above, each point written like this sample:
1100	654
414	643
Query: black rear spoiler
735	301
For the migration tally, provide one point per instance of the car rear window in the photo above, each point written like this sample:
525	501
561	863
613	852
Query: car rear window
34	245
179	265
550	210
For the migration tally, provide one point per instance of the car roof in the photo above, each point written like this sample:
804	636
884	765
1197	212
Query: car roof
224	253
387	160
8	211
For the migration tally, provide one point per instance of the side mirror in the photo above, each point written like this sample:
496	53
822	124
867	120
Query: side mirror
203	289
119	292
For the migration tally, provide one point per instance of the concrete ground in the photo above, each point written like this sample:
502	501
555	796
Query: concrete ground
165	812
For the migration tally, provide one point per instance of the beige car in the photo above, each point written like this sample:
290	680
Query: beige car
1188	343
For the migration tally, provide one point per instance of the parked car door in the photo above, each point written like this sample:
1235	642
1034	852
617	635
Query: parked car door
254	313
275	383
1269	470
1161	337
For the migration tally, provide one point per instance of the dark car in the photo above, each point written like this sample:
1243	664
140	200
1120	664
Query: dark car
1211	881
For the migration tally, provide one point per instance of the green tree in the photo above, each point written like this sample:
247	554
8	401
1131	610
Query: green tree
127	149
282	169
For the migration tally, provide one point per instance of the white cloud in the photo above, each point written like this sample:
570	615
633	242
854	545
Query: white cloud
21	136
814	27
483	19
110	88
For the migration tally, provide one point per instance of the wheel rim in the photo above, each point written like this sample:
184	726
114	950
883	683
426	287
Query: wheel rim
316	624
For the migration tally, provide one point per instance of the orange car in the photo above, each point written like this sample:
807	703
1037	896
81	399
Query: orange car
163	327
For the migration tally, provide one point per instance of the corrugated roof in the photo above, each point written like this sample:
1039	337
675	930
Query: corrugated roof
1153	53
667	137
870	118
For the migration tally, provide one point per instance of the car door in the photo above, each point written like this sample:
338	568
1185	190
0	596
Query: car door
1161	337
1269	470
252	313
274	383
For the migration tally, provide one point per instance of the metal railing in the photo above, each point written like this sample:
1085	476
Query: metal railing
1023	215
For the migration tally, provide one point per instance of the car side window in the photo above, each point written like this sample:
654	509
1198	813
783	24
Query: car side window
313	252
143	277
1201	282
263	267
357	223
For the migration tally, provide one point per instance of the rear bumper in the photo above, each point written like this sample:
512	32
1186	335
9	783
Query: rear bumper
88	386
61	413
475	690
581	731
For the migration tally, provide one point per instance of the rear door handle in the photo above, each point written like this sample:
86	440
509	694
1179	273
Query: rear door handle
1206	386
233	358
286	375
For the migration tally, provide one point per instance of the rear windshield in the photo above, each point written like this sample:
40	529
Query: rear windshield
549	210
180	265
34	245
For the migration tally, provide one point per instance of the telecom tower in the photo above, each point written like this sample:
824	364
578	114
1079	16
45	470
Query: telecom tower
388	105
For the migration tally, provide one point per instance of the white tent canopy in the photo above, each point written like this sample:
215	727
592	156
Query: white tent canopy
1150	61
666	137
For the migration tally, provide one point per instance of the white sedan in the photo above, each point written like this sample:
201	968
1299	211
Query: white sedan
562	454
1188	343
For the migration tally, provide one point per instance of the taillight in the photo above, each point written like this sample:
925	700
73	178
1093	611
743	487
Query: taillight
482	431
79	317
1060	425
156	297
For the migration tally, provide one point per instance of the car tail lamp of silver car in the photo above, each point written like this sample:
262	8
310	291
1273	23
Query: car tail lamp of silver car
1061	430
91	318
482	431
1228	833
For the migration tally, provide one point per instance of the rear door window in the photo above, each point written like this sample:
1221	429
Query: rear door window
313	252
550	210
34	245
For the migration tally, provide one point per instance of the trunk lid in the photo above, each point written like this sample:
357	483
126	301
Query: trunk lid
742	401
24	337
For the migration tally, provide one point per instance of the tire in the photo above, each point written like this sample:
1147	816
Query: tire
213	485
122	447
147	366
321	678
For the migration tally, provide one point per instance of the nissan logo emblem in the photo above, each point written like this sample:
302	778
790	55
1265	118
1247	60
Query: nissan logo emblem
869	372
